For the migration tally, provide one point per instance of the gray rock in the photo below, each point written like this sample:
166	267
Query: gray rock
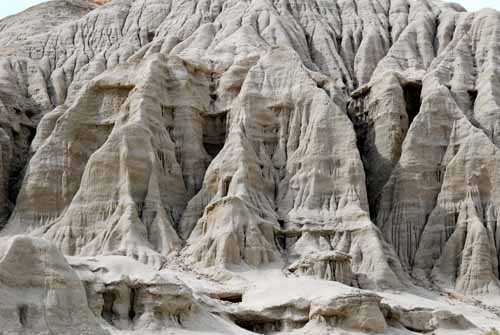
40	292
251	134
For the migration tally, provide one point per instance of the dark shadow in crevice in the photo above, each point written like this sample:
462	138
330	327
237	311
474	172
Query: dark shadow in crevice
23	315
259	327
280	239
107	308
131	311
412	93
22	154
214	133
213	149
263	326
225	186
150	36
378	168
234	298
472	97
419	331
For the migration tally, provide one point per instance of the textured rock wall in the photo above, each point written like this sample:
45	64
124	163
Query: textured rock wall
252	132
40	292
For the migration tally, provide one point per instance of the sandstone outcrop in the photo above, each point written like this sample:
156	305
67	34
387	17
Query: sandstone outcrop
41	294
424	320
326	265
326	307
127	296
351	141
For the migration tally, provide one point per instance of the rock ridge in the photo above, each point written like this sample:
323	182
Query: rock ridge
339	141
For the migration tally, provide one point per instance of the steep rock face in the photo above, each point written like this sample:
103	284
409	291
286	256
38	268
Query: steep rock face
16	29
288	174
121	165
350	141
92	189
448	160
259	132
40	292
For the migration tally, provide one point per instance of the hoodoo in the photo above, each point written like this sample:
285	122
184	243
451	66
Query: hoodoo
249	166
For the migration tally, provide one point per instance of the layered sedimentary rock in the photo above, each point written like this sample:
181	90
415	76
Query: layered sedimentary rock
178	144
333	266
127	296
424	320
16	29
448	160
40	292
330	308
355	313
346	140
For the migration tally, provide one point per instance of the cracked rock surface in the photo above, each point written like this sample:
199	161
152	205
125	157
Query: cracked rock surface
249	166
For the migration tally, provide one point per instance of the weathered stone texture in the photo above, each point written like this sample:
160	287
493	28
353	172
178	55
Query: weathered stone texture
220	132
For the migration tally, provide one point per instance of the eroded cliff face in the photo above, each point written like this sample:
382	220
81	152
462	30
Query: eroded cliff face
349	140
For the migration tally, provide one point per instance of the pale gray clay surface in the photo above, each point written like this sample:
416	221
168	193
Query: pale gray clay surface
249	166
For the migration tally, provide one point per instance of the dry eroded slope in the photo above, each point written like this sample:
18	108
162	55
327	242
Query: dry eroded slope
352	140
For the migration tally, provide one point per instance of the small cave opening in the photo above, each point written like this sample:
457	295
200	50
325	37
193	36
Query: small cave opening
107	308
213	148
22	312
472	97
259	326
266	326
131	311
412	94
234	298
281	223
150	36
214	133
